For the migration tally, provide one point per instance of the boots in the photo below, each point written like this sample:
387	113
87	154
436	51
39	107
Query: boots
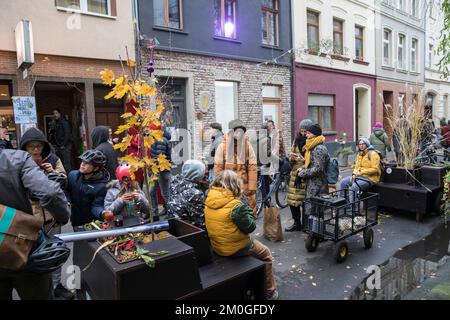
296	226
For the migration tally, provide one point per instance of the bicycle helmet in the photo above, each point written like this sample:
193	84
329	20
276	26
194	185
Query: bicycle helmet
59	178
49	255
94	157
122	172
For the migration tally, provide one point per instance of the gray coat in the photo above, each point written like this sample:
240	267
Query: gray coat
315	176
118	206
21	180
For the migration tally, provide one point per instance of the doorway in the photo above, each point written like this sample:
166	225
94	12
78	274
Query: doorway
388	100
362	111
107	112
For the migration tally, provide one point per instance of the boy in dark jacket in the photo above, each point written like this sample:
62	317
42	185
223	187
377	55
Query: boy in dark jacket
100	141
87	189
187	200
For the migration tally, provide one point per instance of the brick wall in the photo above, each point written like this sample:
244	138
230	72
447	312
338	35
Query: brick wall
249	76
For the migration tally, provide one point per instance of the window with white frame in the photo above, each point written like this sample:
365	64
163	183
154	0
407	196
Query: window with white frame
387	47
102	7
414	8
430	56
321	110
414	55
401	5
401	63
272	104
226	102
430	8
225	18
269	22
359	42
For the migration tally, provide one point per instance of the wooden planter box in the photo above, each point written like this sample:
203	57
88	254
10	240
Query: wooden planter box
401	175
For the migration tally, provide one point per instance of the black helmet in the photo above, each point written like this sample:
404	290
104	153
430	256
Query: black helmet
94	157
49	256
59	178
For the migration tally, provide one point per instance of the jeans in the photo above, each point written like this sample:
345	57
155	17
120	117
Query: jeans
65	154
56	275
265	185
358	186
163	183
211	175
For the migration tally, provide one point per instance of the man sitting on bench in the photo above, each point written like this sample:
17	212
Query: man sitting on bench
367	171
229	221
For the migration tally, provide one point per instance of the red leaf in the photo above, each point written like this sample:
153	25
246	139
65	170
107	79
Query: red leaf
129	245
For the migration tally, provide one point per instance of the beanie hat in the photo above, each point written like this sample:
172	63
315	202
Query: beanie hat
237	123
305	124
315	129
216	126
378	125
367	143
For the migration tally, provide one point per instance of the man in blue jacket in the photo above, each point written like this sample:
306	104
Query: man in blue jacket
87	189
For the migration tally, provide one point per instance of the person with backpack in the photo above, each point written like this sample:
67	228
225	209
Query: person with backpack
367	171
21	177
379	139
296	193
317	159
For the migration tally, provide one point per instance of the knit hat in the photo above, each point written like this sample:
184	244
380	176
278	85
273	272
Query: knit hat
315	129
367	143
237	123
216	126
193	170
305	124
378	125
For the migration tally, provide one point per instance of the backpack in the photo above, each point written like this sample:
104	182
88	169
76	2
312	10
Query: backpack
332	171
380	155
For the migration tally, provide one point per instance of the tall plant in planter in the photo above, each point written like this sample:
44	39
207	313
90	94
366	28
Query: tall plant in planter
144	108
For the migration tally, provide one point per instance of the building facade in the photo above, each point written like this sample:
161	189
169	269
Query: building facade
335	66
220	60
400	63
437	89
73	41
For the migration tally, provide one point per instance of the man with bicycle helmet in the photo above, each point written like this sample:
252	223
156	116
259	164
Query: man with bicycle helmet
87	189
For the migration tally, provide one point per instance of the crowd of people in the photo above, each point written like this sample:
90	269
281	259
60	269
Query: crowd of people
218	195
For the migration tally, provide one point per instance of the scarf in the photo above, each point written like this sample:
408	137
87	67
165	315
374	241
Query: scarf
301	141
311	143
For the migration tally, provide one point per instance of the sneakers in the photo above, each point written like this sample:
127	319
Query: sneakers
272	295
295	227
61	292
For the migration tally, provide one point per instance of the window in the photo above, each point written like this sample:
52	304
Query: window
401	5
101	7
271	104
401	52
313	30
430	6
359	42
269	22
225	18
338	36
414	8
226	102
321	110
414	55
401	103
430	56
168	13
387	36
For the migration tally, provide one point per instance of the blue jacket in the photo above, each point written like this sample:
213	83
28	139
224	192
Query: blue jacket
162	147
86	196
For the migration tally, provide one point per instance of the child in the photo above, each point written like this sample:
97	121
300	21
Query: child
124	196
187	199
229	222
87	189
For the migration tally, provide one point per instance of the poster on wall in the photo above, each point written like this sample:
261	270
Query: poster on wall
24	110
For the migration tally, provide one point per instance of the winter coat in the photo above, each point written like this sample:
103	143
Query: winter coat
100	136
115	204
368	163
86	196
5	144
315	176
296	194
162	147
216	141
48	156
445	132
243	164
187	201
228	222
21	179
380	141
63	133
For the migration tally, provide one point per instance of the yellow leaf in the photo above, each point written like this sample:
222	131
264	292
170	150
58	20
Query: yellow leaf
123	128
148	141
107	76
147	90
155	169
131	63
164	164
121	91
110	95
119	81
126	115
157	134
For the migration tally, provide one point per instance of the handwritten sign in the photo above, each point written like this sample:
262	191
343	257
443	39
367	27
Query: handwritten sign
24	110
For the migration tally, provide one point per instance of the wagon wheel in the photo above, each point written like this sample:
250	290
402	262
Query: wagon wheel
311	243
368	238
341	251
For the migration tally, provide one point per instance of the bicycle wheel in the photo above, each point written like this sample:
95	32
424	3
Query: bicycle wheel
259	199
281	194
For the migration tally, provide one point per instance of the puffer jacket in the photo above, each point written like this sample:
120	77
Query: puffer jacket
86	196
48	156
216	141
315	176
116	205
244	163
21	179
162	147
187	201
368	162
380	141
296	194
228	222
100	136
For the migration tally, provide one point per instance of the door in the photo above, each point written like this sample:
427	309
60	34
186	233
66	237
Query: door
107	112
357	115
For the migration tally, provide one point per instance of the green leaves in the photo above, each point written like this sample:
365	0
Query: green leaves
146	256
444	43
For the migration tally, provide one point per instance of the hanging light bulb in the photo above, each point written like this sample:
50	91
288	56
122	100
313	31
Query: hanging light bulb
229	29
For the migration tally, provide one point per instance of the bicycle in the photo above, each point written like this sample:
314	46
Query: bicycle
279	183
